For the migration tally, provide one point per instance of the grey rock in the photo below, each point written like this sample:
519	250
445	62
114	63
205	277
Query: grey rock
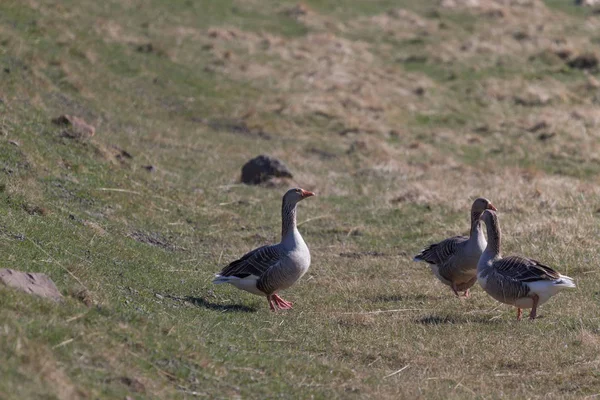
30	282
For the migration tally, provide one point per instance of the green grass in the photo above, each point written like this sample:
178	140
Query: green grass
134	252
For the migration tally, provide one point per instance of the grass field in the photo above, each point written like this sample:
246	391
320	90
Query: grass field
397	113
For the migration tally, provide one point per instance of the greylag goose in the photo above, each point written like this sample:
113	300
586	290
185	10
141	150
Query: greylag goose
269	269
518	281
454	260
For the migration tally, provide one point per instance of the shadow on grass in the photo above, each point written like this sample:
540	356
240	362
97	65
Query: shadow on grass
200	302
453	319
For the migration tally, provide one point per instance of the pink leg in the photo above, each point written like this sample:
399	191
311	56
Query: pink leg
466	294
533	312
271	305
281	303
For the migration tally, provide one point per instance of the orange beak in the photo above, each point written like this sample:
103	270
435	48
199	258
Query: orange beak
306	193
491	207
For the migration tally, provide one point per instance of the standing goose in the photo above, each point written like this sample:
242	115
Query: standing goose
269	269
454	260
518	281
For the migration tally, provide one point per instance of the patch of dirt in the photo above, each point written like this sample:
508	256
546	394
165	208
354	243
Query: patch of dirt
342	78
49	370
75	127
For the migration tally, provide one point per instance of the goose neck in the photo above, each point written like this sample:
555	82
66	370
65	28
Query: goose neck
476	229
494	237
288	219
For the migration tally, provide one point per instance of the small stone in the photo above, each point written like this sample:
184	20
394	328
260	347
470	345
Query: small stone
159	296
149	168
14	143
263	168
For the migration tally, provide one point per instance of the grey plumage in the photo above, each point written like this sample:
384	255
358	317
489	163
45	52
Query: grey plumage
255	262
515	280
269	269
439	253
454	260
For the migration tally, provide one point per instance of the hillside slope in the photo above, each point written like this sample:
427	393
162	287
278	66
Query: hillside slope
397	113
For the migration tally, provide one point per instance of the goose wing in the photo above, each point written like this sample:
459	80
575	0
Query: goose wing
256	262
439	253
525	269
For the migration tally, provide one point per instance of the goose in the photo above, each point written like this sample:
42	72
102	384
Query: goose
515	280
268	269
454	260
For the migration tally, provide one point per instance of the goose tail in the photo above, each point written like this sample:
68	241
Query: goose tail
565	282
221	279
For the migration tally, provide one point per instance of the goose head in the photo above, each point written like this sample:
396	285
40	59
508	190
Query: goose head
489	218
295	195
481	204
